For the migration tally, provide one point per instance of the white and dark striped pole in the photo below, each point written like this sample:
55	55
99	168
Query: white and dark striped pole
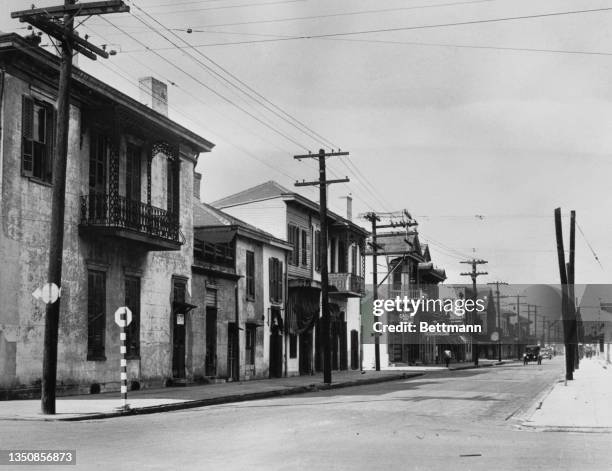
123	317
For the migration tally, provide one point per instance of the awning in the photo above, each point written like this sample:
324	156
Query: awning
182	308
215	236
302	309
452	339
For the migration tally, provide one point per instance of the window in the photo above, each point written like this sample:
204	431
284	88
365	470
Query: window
332	256
172	189
293	340
251	333
96	314
342	257
354	259
97	163
293	237
317	250
304	248
132	301
250	275
276	280
37	138
133	173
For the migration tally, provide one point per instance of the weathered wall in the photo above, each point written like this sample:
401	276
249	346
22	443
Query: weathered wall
25	216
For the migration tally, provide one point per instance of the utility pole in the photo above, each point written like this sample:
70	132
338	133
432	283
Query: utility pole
518	322
474	274
322	183
58	22
567	324
497	284
374	218
571	290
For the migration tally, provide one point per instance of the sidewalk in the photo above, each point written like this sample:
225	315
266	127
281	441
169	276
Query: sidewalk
148	401
584	404
466	365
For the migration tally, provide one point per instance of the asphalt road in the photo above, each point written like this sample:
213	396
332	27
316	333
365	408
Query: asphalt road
441	421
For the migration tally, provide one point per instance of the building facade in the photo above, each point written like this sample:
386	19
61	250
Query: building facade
128	238
295	219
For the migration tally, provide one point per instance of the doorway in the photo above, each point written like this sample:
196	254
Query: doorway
276	345
233	365
178	330
211	341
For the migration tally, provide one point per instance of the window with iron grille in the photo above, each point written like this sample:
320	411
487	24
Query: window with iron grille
132	301
293	237
251	335
37	139
276	280
96	314
304	248
250	275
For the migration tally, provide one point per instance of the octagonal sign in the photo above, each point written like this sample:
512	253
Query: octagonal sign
123	316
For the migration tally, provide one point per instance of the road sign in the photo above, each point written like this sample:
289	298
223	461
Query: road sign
494	336
48	293
123	322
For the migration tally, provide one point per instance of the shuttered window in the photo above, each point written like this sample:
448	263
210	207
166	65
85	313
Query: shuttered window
317	250
211	297
293	237
172	186
276	280
251	335
304	248
96	314
37	138
250	275
132	301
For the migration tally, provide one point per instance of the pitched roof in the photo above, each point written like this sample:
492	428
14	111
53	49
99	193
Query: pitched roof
272	189
207	219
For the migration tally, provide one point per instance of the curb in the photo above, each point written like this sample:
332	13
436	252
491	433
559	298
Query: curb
233	398
522	414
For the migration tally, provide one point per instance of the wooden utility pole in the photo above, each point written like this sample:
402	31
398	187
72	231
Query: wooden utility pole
374	218
518	321
322	183
567	339
497	284
571	290
58	22
474	274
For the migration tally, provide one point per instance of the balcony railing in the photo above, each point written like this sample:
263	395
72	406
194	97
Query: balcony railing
347	283
410	293
98	210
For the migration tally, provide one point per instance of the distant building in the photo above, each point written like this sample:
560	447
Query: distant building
128	227
295	219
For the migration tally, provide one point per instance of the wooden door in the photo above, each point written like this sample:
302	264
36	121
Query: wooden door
178	331
211	341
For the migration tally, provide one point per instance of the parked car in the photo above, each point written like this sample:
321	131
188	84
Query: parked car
547	354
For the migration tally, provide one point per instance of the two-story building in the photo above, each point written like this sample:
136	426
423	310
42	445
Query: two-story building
239	286
295	219
128	226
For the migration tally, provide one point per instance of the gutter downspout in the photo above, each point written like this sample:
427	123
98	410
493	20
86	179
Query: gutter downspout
285	325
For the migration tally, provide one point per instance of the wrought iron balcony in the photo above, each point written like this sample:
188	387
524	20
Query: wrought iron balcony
347	284
155	228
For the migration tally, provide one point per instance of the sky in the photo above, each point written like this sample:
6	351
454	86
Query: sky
476	121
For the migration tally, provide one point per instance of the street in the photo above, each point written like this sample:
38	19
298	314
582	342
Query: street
465	419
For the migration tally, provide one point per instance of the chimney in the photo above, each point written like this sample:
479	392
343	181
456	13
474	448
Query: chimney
197	179
154	94
349	207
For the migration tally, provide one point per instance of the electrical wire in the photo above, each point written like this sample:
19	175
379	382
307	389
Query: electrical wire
406	28
590	246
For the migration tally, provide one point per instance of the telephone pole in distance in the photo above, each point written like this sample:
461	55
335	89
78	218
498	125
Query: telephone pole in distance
497	284
322	183
474	274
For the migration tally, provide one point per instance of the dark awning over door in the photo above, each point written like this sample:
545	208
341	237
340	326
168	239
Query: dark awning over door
303	307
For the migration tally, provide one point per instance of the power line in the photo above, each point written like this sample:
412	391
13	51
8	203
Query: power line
228	7
285	116
224	98
407	28
590	246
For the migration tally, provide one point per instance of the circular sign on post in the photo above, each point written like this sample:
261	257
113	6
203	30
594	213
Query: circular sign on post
495	336
123	316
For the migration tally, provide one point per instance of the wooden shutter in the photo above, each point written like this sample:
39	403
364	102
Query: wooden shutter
279	280
27	148
211	297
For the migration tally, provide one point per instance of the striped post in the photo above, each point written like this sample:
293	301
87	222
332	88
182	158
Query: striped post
123	317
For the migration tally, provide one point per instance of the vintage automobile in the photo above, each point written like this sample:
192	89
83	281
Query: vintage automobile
532	353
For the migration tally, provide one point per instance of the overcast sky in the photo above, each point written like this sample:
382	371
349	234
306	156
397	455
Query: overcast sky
468	127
